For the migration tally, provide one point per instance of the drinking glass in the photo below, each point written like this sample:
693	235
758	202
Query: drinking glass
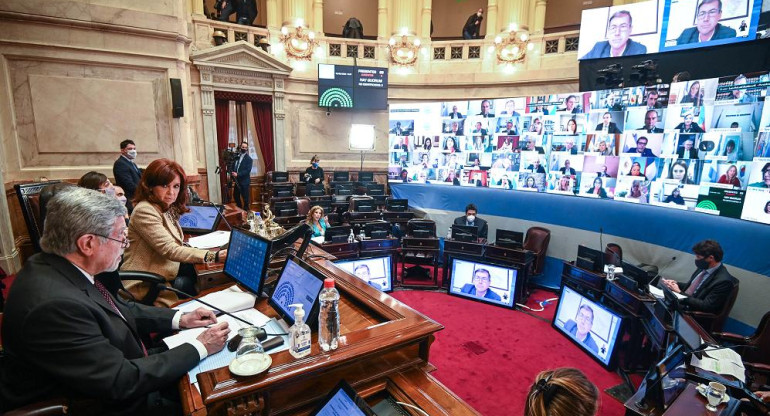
714	394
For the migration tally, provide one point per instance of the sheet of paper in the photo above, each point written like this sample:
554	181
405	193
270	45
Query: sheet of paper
721	361
250	315
654	291
232	299
210	240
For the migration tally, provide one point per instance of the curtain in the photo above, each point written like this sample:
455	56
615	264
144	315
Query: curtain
223	136
263	121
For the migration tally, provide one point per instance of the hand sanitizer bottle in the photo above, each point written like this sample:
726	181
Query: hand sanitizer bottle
299	333
351	237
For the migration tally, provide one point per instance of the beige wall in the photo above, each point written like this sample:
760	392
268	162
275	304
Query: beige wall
337	13
566	13
449	17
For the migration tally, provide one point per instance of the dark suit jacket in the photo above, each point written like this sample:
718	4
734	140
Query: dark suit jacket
690	35
567	171
602	50
126	175
694	128
571	327
244	172
455	115
693	153
611	129
61	337
480	224
712	294
653	130
470	289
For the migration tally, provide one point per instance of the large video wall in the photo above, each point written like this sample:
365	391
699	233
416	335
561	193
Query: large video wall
700	145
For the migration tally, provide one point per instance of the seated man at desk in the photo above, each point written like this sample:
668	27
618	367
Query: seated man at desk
710	285
65	335
470	218
581	329
480	286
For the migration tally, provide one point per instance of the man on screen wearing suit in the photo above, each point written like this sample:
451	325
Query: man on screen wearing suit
618	43
607	126
66	335
455	113
687	151
710	285
125	171
242	176
707	26
650	120
470	218
581	329
480	286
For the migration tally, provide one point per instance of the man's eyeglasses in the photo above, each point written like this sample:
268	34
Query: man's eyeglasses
710	13
623	27
123	243
481	278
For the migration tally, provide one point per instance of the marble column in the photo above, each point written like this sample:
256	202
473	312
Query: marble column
208	108
427	11
9	255
383	30
273	14
279	129
404	16
196	6
318	17
293	10
491	18
539	22
512	11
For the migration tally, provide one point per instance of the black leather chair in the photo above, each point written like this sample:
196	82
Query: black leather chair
113	281
536	241
29	200
714	322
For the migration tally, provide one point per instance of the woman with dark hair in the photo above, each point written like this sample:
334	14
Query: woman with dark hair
694	95
98	182
675	197
597	188
678	171
155	235
562	392
636	170
767	207
572	127
450	144
530	182
731	177
314	173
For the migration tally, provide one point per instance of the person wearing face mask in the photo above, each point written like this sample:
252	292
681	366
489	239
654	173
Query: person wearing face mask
121	195
242	177
98	182
470	218
710	285
126	172
315	173
472	28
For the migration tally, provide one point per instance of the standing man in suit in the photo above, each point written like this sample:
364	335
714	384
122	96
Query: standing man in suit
472	28
242	177
66	335
710	285
247	12
125	171
566	169
471	219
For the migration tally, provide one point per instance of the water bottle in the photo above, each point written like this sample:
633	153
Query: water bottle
329	316
361	234
351	237
449	233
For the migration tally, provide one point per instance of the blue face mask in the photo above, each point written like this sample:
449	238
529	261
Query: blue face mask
315	164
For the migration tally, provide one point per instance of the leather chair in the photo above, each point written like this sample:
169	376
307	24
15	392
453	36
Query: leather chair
303	205
536	241
613	254
29	200
113	281
756	355
714	322
352	203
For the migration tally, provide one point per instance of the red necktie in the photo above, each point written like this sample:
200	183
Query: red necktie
695	283
103	290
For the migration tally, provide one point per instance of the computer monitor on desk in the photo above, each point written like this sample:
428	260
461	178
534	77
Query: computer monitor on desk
201	219
286	208
640	278
590	259
377	229
363	205
341	176
365	176
469	233
248	256
299	282
338	234
375	189
396	205
509	239
315	189
280	176
283	191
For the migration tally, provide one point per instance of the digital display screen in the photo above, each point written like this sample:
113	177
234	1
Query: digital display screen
591	326
344	86
721	201
247	257
483	282
375	271
297	284
201	218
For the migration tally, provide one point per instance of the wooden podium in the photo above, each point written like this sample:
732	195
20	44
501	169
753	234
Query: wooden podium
384	349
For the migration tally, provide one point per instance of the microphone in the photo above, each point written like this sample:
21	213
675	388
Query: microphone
670	262
219	212
261	333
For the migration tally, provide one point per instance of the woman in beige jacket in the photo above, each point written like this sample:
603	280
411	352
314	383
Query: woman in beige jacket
155	236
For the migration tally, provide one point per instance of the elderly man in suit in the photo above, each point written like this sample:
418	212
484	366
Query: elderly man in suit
66	335
125	171
710	285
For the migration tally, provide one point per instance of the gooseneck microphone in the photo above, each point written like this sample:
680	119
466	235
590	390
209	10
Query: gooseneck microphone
670	262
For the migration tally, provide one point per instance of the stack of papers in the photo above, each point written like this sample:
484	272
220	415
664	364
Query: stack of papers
210	240
721	361
658	293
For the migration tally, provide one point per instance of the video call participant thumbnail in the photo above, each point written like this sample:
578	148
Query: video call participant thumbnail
581	329
707	26
480	287
618	43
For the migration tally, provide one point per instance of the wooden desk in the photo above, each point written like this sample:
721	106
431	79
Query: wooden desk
521	260
382	341
422	252
631	301
456	248
341	250
688	403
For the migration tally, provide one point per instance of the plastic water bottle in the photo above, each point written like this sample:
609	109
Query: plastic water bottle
351	237
329	316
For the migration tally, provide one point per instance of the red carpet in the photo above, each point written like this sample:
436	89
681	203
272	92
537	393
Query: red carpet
489	355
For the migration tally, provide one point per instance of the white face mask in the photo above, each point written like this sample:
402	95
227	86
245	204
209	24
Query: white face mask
470	218
122	200
109	191
131	154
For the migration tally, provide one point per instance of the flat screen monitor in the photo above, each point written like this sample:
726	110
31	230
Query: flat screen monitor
343	400
201	219
337	234
366	176
377	229
509	239
465	233
363	205
483	282
280	176
248	256
343	191
375	189
396	205
285	208
283	191
690	337
596	257
376	271
721	201
359	87
593	327
301	283
341	176
421	229
640	276
657	393
316	189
